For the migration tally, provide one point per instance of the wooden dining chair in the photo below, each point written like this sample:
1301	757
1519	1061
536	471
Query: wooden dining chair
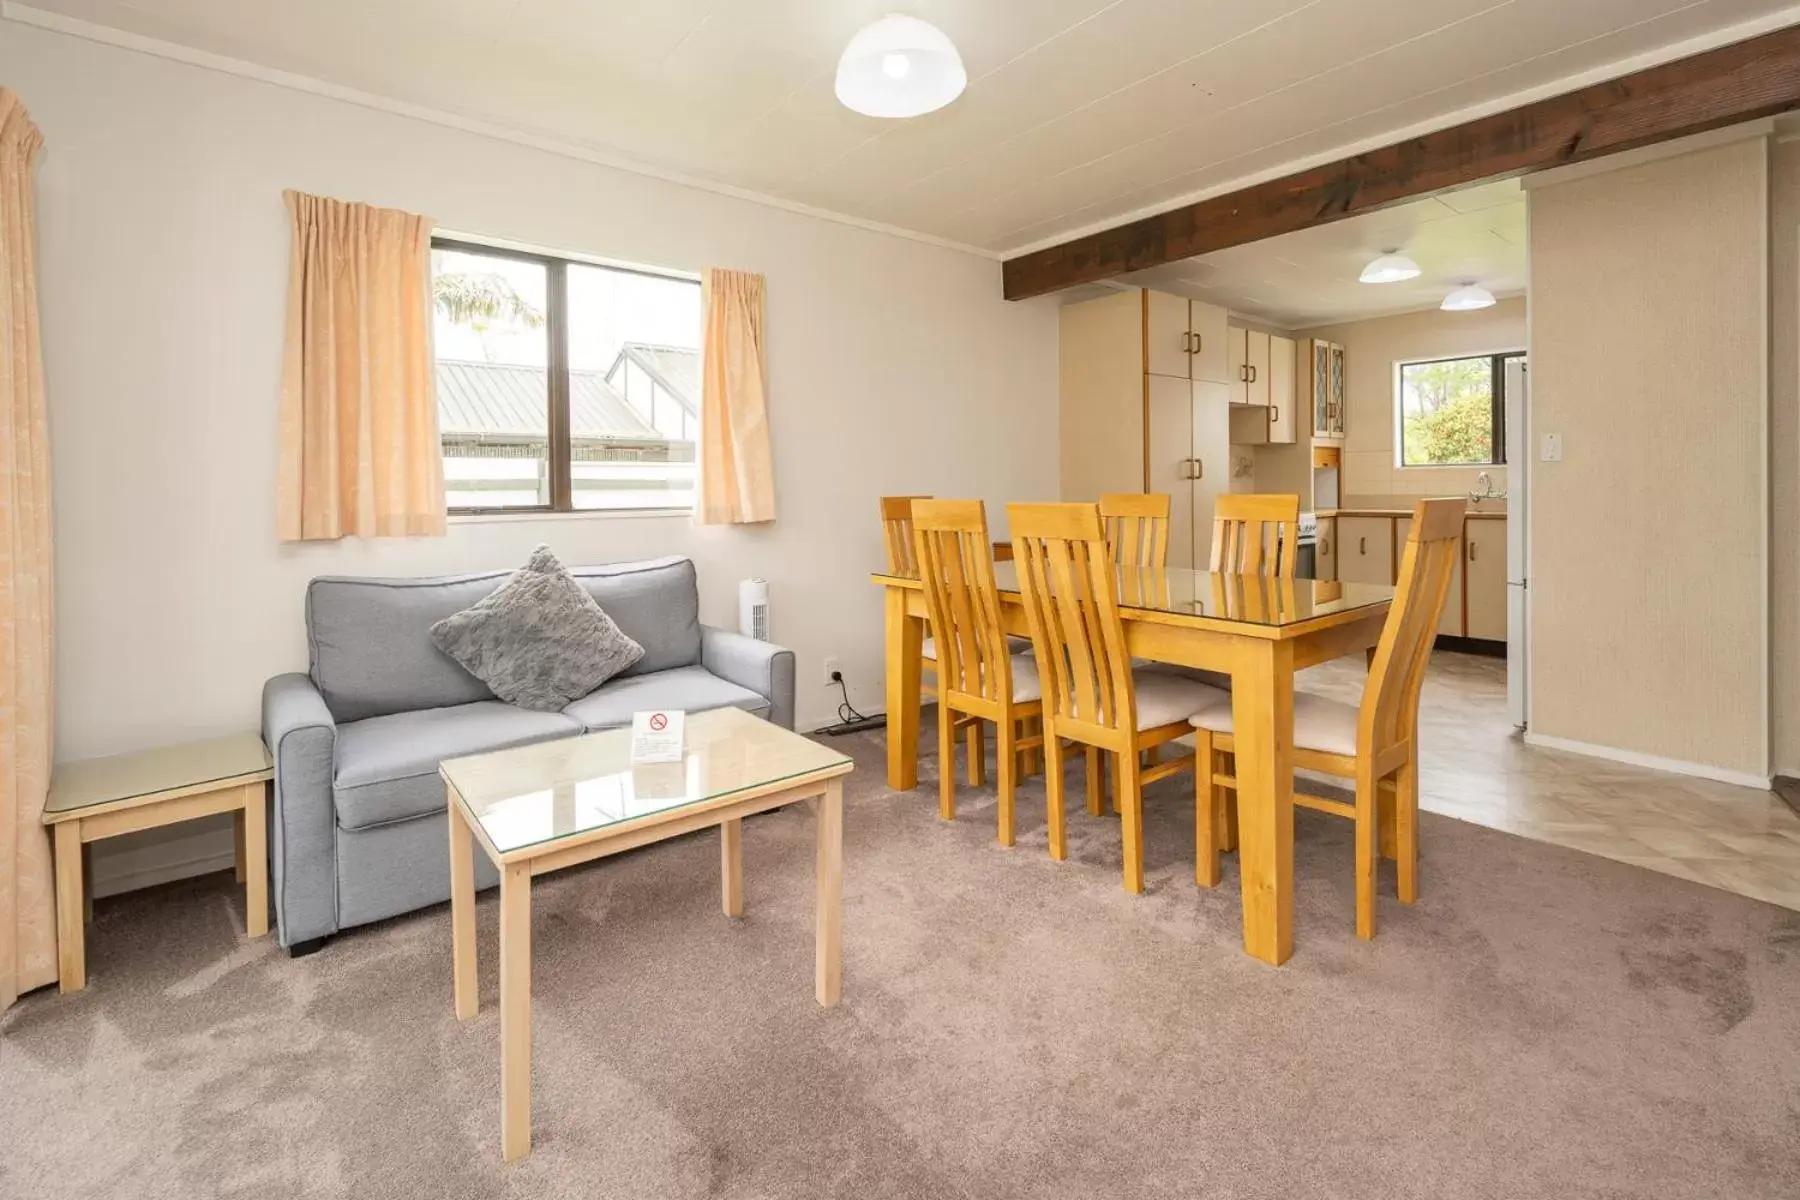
1373	742
1255	535
1091	696
1137	528
903	559
979	678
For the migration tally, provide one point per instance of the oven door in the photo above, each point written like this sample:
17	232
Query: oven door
1306	561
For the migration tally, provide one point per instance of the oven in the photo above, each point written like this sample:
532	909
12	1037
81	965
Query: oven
1306	541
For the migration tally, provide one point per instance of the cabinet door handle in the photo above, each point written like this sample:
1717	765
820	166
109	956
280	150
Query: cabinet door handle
1253	374
1471	551
1187	343
1274	414
1325	546
1362	545
1198	342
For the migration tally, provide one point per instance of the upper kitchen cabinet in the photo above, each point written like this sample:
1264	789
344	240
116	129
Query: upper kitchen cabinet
1183	339
1249	360
1322	386
1262	399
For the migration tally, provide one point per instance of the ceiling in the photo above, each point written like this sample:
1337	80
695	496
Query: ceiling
1309	278
1078	113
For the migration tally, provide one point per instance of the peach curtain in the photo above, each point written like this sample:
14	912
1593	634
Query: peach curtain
27	898
737	474
359	424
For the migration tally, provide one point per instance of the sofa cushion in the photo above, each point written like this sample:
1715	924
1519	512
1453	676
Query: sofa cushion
539	641
692	689
369	640
386	767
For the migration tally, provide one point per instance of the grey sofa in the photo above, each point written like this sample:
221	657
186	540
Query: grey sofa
358	831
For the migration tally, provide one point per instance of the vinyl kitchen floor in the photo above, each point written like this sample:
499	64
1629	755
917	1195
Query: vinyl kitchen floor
1477	767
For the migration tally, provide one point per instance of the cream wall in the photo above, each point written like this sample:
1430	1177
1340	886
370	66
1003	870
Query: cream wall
1784	452
1649	343
1372	349
895	367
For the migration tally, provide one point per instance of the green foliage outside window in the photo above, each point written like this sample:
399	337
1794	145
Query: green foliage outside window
1447	412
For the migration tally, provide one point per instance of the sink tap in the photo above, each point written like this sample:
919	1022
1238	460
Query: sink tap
1487	492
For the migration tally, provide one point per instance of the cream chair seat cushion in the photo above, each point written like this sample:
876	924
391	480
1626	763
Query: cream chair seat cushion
1026	685
1018	645
1166	699
1321	724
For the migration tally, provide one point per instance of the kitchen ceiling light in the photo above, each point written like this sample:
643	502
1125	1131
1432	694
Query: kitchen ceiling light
899	67
1391	267
1468	298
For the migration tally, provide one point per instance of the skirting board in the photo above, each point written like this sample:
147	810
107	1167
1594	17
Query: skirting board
158	856
1651	761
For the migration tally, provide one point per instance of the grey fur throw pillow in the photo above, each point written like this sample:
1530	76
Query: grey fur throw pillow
539	641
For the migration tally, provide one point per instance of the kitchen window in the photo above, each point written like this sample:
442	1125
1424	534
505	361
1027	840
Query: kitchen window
1452	411
563	386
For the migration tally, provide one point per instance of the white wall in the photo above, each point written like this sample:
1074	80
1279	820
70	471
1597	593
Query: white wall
895	368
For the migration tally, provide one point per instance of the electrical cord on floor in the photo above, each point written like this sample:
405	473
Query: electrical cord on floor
849	720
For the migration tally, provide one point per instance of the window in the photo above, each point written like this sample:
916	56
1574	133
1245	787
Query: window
563	386
1452	411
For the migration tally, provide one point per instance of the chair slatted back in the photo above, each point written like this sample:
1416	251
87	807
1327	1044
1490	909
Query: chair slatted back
1256	535
897	528
1390	703
1137	528
962	601
1067	581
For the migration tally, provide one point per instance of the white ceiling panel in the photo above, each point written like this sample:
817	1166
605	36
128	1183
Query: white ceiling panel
1310	278
1245	146
1078	112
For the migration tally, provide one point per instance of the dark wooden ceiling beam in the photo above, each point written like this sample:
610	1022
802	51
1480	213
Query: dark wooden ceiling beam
1736	83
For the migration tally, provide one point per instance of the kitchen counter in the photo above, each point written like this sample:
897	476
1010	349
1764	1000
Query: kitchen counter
1490	514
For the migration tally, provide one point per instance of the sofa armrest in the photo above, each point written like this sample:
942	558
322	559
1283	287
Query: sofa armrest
764	668
302	739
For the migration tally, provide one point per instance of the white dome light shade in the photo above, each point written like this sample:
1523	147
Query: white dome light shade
1468	298
899	67
1390	268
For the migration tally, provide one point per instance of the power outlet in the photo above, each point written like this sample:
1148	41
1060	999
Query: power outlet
832	667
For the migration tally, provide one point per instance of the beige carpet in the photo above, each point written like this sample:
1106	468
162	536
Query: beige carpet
1543	1023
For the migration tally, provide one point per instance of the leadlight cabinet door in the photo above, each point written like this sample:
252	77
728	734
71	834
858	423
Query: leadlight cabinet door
1336	412
1321	386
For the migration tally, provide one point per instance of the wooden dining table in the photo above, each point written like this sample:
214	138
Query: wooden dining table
1258	629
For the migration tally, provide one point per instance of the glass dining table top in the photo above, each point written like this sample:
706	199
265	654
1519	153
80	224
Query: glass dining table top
537	795
1249	599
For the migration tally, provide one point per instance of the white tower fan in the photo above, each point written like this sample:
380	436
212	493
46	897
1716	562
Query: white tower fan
753	609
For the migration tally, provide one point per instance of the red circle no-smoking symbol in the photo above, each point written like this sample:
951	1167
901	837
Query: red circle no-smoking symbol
658	722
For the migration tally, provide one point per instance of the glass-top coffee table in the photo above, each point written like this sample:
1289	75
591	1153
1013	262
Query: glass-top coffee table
537	809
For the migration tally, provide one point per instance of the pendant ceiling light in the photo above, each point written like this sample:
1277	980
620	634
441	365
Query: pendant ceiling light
899	67
1468	298
1392	267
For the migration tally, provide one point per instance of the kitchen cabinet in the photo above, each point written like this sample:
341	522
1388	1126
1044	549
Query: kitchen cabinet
1183	339
1321	380
1450	624
1137	412
1365	550
1266	416
1325	551
1186	417
1484	570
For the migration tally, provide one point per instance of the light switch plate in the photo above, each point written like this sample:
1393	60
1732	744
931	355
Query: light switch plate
1552	448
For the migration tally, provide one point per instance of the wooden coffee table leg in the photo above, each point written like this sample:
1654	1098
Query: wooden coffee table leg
71	954
463	979
827	972
255	820
731	866
515	1011
237	834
